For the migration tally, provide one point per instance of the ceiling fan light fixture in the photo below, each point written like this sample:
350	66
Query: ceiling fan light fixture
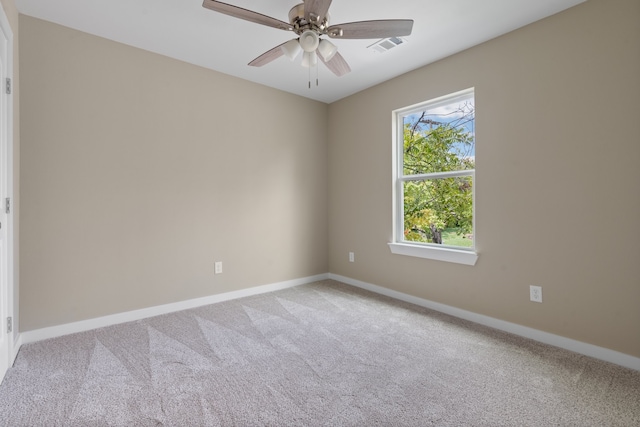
309	59
327	49
291	49
309	41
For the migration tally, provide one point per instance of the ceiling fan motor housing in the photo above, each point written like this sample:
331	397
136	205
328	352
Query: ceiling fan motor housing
300	23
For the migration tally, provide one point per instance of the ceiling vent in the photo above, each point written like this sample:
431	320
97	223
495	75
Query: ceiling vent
384	45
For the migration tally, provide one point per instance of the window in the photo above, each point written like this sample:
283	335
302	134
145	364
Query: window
434	173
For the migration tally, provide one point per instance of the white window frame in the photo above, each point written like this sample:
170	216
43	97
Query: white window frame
399	246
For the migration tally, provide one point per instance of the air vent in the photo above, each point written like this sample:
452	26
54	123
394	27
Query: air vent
384	45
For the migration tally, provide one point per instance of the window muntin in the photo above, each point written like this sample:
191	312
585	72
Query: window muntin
435	173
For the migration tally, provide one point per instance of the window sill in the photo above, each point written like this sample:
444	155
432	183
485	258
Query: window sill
440	254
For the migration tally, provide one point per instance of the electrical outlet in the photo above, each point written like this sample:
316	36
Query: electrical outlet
352	257
535	293
218	267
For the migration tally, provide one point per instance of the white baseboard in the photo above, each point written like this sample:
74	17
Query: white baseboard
129	316
534	334
537	335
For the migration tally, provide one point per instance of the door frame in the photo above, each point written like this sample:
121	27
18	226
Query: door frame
7	284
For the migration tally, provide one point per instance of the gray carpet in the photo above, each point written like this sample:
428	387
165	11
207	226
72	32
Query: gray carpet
323	354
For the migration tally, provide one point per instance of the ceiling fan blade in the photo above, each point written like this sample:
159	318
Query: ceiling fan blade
247	15
371	29
318	8
337	65
268	56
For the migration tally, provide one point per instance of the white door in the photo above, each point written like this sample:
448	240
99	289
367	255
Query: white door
6	258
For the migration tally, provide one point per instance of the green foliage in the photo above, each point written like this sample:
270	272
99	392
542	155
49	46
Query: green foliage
451	237
439	149
433	205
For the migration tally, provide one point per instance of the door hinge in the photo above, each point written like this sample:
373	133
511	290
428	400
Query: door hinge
8	86
7	205
9	324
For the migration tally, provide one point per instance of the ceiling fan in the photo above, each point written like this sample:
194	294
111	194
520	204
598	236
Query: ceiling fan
310	21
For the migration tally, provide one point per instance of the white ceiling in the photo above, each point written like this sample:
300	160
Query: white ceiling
184	30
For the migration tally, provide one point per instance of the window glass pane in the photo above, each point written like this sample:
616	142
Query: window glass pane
440	138
439	211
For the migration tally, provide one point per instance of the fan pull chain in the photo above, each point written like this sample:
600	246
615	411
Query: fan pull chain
317	80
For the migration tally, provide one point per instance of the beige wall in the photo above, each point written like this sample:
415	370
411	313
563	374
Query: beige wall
139	171
558	177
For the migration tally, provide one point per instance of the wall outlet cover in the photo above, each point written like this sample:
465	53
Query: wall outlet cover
535	293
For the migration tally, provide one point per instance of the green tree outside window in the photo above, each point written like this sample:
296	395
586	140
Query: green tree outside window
438	165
